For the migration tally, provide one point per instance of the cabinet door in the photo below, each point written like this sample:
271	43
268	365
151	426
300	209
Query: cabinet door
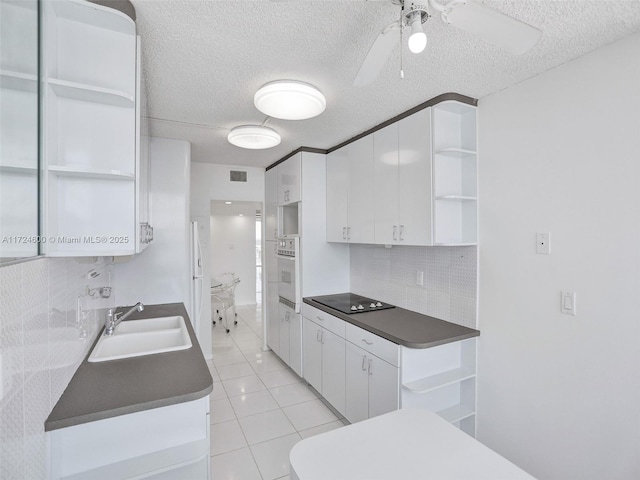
295	342
285	313
383	386
361	192
385	154
271	204
337	195
289	180
312	351
273	318
357	384
333	369
415	187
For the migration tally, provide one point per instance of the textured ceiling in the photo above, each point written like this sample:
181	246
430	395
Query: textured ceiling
205	59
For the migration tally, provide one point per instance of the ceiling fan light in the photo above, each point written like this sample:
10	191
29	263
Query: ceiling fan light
418	39
253	137
290	100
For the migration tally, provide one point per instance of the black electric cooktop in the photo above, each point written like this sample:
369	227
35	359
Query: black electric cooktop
351	303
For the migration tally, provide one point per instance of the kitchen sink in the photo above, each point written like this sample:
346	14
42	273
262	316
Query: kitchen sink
135	338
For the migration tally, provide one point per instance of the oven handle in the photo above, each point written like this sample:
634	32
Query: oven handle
286	257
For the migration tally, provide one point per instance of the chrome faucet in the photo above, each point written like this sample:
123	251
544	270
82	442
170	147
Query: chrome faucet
113	319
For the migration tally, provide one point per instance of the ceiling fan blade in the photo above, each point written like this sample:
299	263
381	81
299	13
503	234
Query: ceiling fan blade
378	55
494	27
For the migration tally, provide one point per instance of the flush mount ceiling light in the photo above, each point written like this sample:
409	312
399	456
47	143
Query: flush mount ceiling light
290	100
227	203
254	137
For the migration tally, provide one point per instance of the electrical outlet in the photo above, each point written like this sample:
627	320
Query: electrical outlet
420	279
543	243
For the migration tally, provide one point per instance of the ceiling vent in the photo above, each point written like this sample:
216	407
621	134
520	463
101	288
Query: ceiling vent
237	176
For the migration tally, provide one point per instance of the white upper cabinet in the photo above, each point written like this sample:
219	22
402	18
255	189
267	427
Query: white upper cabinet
337	195
360	228
289	174
271	204
350	193
402	153
89	130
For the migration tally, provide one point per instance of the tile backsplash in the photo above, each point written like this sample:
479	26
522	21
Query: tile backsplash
50	313
389	274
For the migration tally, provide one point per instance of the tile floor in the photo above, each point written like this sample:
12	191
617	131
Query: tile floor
259	407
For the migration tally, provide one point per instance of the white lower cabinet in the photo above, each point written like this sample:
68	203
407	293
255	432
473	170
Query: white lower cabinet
324	361
371	385
165	443
290	337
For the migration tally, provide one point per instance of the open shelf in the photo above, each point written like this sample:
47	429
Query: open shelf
456	197
25	82
91	173
17	168
443	379
456	413
89	93
455	152
93	14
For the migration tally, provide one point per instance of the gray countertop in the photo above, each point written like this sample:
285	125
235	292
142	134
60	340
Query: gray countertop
403	327
107	389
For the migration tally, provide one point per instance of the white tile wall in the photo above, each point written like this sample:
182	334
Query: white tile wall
389	274
42	342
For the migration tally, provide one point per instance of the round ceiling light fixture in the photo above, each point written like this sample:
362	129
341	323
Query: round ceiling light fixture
254	137
290	100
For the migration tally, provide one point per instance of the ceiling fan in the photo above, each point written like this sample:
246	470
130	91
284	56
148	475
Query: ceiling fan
486	23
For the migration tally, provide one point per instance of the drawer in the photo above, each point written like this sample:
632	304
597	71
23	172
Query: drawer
374	344
317	316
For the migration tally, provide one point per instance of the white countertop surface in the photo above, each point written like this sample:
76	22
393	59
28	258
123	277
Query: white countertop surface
406	444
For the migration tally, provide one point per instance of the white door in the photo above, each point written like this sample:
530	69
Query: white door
361	192
383	386
295	342
285	313
414	194
271	205
385	153
312	353
337	195
333	369
357	384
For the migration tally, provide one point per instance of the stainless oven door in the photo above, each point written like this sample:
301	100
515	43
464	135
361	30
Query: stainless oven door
287	278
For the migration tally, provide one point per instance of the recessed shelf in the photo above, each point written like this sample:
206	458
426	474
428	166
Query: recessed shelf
91	173
456	153
443	379
456	197
455	244
96	15
12	80
89	93
456	413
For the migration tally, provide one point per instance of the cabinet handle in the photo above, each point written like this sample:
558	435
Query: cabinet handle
395	232
402	232
320	318
364	363
370	365
318	335
367	341
322	337
348	233
275	232
344	233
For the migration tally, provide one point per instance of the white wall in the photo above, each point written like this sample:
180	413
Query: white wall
233	249
560	395
162	272
211	182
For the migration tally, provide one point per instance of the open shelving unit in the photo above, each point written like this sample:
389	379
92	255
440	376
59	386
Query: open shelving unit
455	174
442	379
90	128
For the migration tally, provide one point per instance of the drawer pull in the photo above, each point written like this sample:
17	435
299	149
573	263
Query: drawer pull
367	342
320	318
364	363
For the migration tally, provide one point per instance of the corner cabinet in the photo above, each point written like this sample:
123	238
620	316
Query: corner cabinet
412	182
90	83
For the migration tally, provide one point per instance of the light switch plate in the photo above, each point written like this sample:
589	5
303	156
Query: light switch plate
568	305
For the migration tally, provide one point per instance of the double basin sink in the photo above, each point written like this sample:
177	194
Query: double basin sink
135	338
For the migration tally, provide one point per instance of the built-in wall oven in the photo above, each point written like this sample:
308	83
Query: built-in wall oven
289	270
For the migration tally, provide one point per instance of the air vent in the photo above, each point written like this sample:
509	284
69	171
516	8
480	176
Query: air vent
237	176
